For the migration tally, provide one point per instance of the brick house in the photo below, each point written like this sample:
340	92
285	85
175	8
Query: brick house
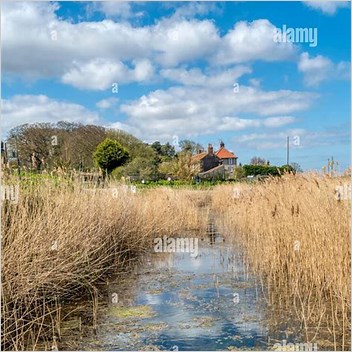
207	160
227	158
215	164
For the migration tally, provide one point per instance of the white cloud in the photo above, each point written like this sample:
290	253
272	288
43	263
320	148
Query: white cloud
249	41
117	10
190	112
98	74
106	103
318	69
38	44
192	9
114	9
307	138
236	124
327	7
21	109
163	43
255	82
195	77
179	41
101	74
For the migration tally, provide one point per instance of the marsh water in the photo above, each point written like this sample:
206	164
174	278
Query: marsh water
175	301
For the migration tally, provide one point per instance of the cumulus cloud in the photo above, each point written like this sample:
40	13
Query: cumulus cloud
116	9
237	124
106	103
21	109
65	43
195	77
307	138
327	7
318	69
191	112
179	41
192	9
249	41
56	48
101	74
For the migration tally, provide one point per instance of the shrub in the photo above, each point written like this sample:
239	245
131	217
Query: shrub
110	155
266	170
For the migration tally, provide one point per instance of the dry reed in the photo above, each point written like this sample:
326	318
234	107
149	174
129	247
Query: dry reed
295	233
59	241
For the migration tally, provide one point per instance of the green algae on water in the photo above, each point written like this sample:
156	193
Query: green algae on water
131	312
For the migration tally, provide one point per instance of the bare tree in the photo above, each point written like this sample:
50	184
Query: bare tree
256	160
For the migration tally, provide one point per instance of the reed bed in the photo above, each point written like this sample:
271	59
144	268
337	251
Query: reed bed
59	241
295	233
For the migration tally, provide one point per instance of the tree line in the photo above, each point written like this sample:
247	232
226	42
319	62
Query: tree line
65	146
68	146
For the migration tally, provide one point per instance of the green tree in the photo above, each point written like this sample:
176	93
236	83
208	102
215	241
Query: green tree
164	152
181	168
110	155
157	147
135	147
167	151
141	167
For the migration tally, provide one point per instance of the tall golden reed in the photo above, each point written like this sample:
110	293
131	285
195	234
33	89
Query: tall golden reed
59	241
295	232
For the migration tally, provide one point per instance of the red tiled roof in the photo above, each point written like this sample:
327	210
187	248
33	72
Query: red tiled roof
223	153
199	156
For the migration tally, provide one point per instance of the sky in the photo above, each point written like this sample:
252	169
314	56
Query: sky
168	71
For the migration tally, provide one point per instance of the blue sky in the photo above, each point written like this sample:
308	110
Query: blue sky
176	63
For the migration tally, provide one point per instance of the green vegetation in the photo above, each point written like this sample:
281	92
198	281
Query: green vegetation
110	155
67	148
132	312
239	173
181	167
266	170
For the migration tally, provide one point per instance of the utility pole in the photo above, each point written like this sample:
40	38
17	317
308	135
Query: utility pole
288	151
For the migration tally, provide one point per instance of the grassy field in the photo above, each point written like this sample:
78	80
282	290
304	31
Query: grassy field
59	241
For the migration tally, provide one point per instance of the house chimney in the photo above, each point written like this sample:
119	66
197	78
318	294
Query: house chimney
210	149
222	144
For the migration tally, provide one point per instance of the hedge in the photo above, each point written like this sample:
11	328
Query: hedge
266	170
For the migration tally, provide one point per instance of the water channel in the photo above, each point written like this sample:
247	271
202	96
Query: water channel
175	301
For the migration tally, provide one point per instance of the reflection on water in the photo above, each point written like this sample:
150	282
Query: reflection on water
204	303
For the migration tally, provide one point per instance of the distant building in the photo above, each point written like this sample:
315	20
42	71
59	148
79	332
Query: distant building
227	158
207	160
219	164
